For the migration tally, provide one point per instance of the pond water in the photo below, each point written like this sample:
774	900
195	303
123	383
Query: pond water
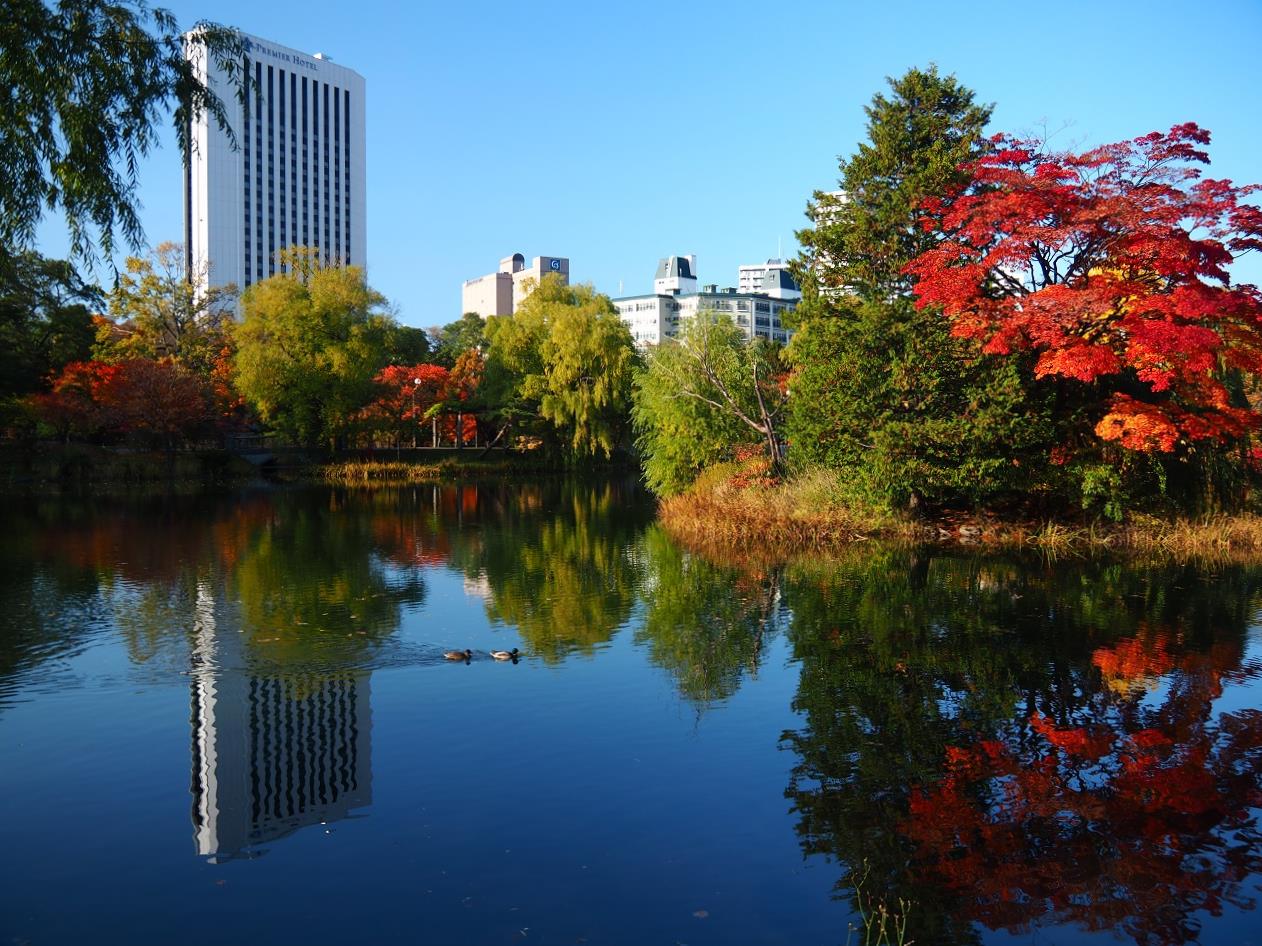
230	719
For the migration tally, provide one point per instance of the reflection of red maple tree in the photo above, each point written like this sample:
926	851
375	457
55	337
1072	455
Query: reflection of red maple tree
411	540
1135	821
1136	659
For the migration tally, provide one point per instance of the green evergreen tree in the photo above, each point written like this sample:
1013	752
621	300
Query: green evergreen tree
881	388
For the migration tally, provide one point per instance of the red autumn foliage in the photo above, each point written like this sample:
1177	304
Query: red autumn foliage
408	393
1112	267
404	394
1130	823
1136	658
151	401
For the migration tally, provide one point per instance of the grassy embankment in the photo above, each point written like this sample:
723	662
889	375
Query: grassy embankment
732	508
384	472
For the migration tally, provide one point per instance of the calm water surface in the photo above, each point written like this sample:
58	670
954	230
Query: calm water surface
229	720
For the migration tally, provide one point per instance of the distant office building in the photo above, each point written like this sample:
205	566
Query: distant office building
501	292
659	315
296	176
271	753
771	278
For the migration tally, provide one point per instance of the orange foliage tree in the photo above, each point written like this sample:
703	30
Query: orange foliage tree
462	386
1111	269
153	402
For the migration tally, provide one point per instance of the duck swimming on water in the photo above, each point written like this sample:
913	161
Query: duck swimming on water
464	655
505	654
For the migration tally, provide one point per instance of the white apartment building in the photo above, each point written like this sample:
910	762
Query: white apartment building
501	292
658	316
771	278
296	177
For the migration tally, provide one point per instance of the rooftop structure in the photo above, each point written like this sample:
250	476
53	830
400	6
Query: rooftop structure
657	316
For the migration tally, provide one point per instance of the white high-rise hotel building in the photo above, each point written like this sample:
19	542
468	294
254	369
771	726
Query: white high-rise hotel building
296	176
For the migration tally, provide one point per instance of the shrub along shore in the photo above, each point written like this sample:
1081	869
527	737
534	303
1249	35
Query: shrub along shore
736	511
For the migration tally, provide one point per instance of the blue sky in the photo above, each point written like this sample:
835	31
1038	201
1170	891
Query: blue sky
615	134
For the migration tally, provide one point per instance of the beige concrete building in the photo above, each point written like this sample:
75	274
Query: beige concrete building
501	292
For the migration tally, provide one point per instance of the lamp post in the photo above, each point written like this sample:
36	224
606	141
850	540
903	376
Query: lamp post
416	382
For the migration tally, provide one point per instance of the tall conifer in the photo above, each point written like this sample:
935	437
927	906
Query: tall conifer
880	389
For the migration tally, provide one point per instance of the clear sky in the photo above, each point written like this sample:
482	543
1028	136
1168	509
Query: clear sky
618	133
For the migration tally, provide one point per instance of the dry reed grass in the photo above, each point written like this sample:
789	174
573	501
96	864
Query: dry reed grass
733	514
377	472
381	471
731	507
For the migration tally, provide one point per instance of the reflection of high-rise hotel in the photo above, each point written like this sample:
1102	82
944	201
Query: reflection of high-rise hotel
270	754
296	176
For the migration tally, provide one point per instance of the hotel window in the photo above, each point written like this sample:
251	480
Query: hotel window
258	169
325	211
305	193
271	174
346	144
337	172
284	215
246	163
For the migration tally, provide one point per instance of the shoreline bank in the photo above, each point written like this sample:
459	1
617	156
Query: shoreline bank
725	517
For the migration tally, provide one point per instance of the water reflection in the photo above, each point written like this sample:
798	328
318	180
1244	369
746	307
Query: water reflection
1015	745
557	562
270	753
1007	743
706	625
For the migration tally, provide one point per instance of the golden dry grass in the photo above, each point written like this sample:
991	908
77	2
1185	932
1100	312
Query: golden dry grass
735	512
730	507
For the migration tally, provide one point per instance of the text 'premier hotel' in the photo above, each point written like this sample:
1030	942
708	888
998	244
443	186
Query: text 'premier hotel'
296	176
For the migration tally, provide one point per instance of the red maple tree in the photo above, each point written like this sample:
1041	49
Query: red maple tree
405	393
151	401
1112	267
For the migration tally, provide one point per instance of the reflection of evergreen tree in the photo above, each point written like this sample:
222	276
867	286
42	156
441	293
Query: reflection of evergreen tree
907	659
704	624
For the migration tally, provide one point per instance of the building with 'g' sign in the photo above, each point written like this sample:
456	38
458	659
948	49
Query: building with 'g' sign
501	292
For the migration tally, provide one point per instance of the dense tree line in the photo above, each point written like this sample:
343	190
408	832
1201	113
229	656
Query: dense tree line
986	320
316	358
